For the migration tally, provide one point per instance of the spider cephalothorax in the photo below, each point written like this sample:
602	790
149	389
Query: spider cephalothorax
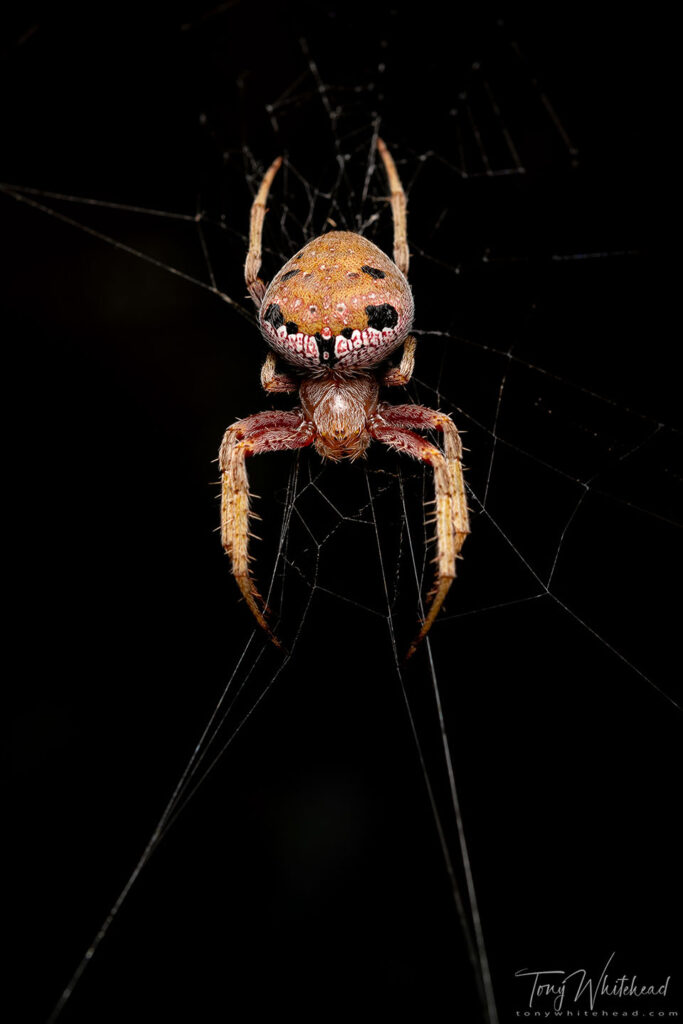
335	312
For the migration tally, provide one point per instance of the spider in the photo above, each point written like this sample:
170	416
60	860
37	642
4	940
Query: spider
334	313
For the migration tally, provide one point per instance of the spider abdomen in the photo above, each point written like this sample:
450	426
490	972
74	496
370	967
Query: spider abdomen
339	408
338	303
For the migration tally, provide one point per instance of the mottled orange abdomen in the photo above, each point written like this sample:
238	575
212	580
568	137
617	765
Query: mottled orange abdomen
338	303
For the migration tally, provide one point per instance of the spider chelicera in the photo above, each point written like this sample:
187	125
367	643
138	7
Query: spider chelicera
334	313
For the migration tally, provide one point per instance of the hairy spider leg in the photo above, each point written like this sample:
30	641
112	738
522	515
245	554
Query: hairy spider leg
393	426
399	212
398	209
257	288
263	432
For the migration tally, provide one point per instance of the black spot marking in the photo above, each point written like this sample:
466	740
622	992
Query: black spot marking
292	328
273	315
382	316
346	332
373	272
299	256
291	273
326	350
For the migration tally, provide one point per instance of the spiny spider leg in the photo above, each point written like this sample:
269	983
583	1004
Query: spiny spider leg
393	426
257	288
264	432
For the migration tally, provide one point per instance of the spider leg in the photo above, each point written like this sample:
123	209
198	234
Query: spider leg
394	426
399	375
398	209
264	432
257	288
277	382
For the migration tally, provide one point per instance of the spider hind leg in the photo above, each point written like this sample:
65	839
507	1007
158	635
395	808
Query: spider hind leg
255	285
398	209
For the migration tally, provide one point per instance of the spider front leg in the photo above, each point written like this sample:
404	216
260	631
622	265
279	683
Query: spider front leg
264	432
394	425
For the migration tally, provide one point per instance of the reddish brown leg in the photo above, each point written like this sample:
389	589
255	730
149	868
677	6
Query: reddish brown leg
264	432
393	425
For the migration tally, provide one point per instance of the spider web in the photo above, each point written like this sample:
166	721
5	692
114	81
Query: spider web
304	867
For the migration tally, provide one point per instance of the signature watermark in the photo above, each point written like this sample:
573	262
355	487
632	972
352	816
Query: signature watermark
559	990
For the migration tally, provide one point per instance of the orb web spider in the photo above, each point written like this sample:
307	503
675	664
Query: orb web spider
334	313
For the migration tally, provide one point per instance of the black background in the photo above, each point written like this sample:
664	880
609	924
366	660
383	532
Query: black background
305	876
